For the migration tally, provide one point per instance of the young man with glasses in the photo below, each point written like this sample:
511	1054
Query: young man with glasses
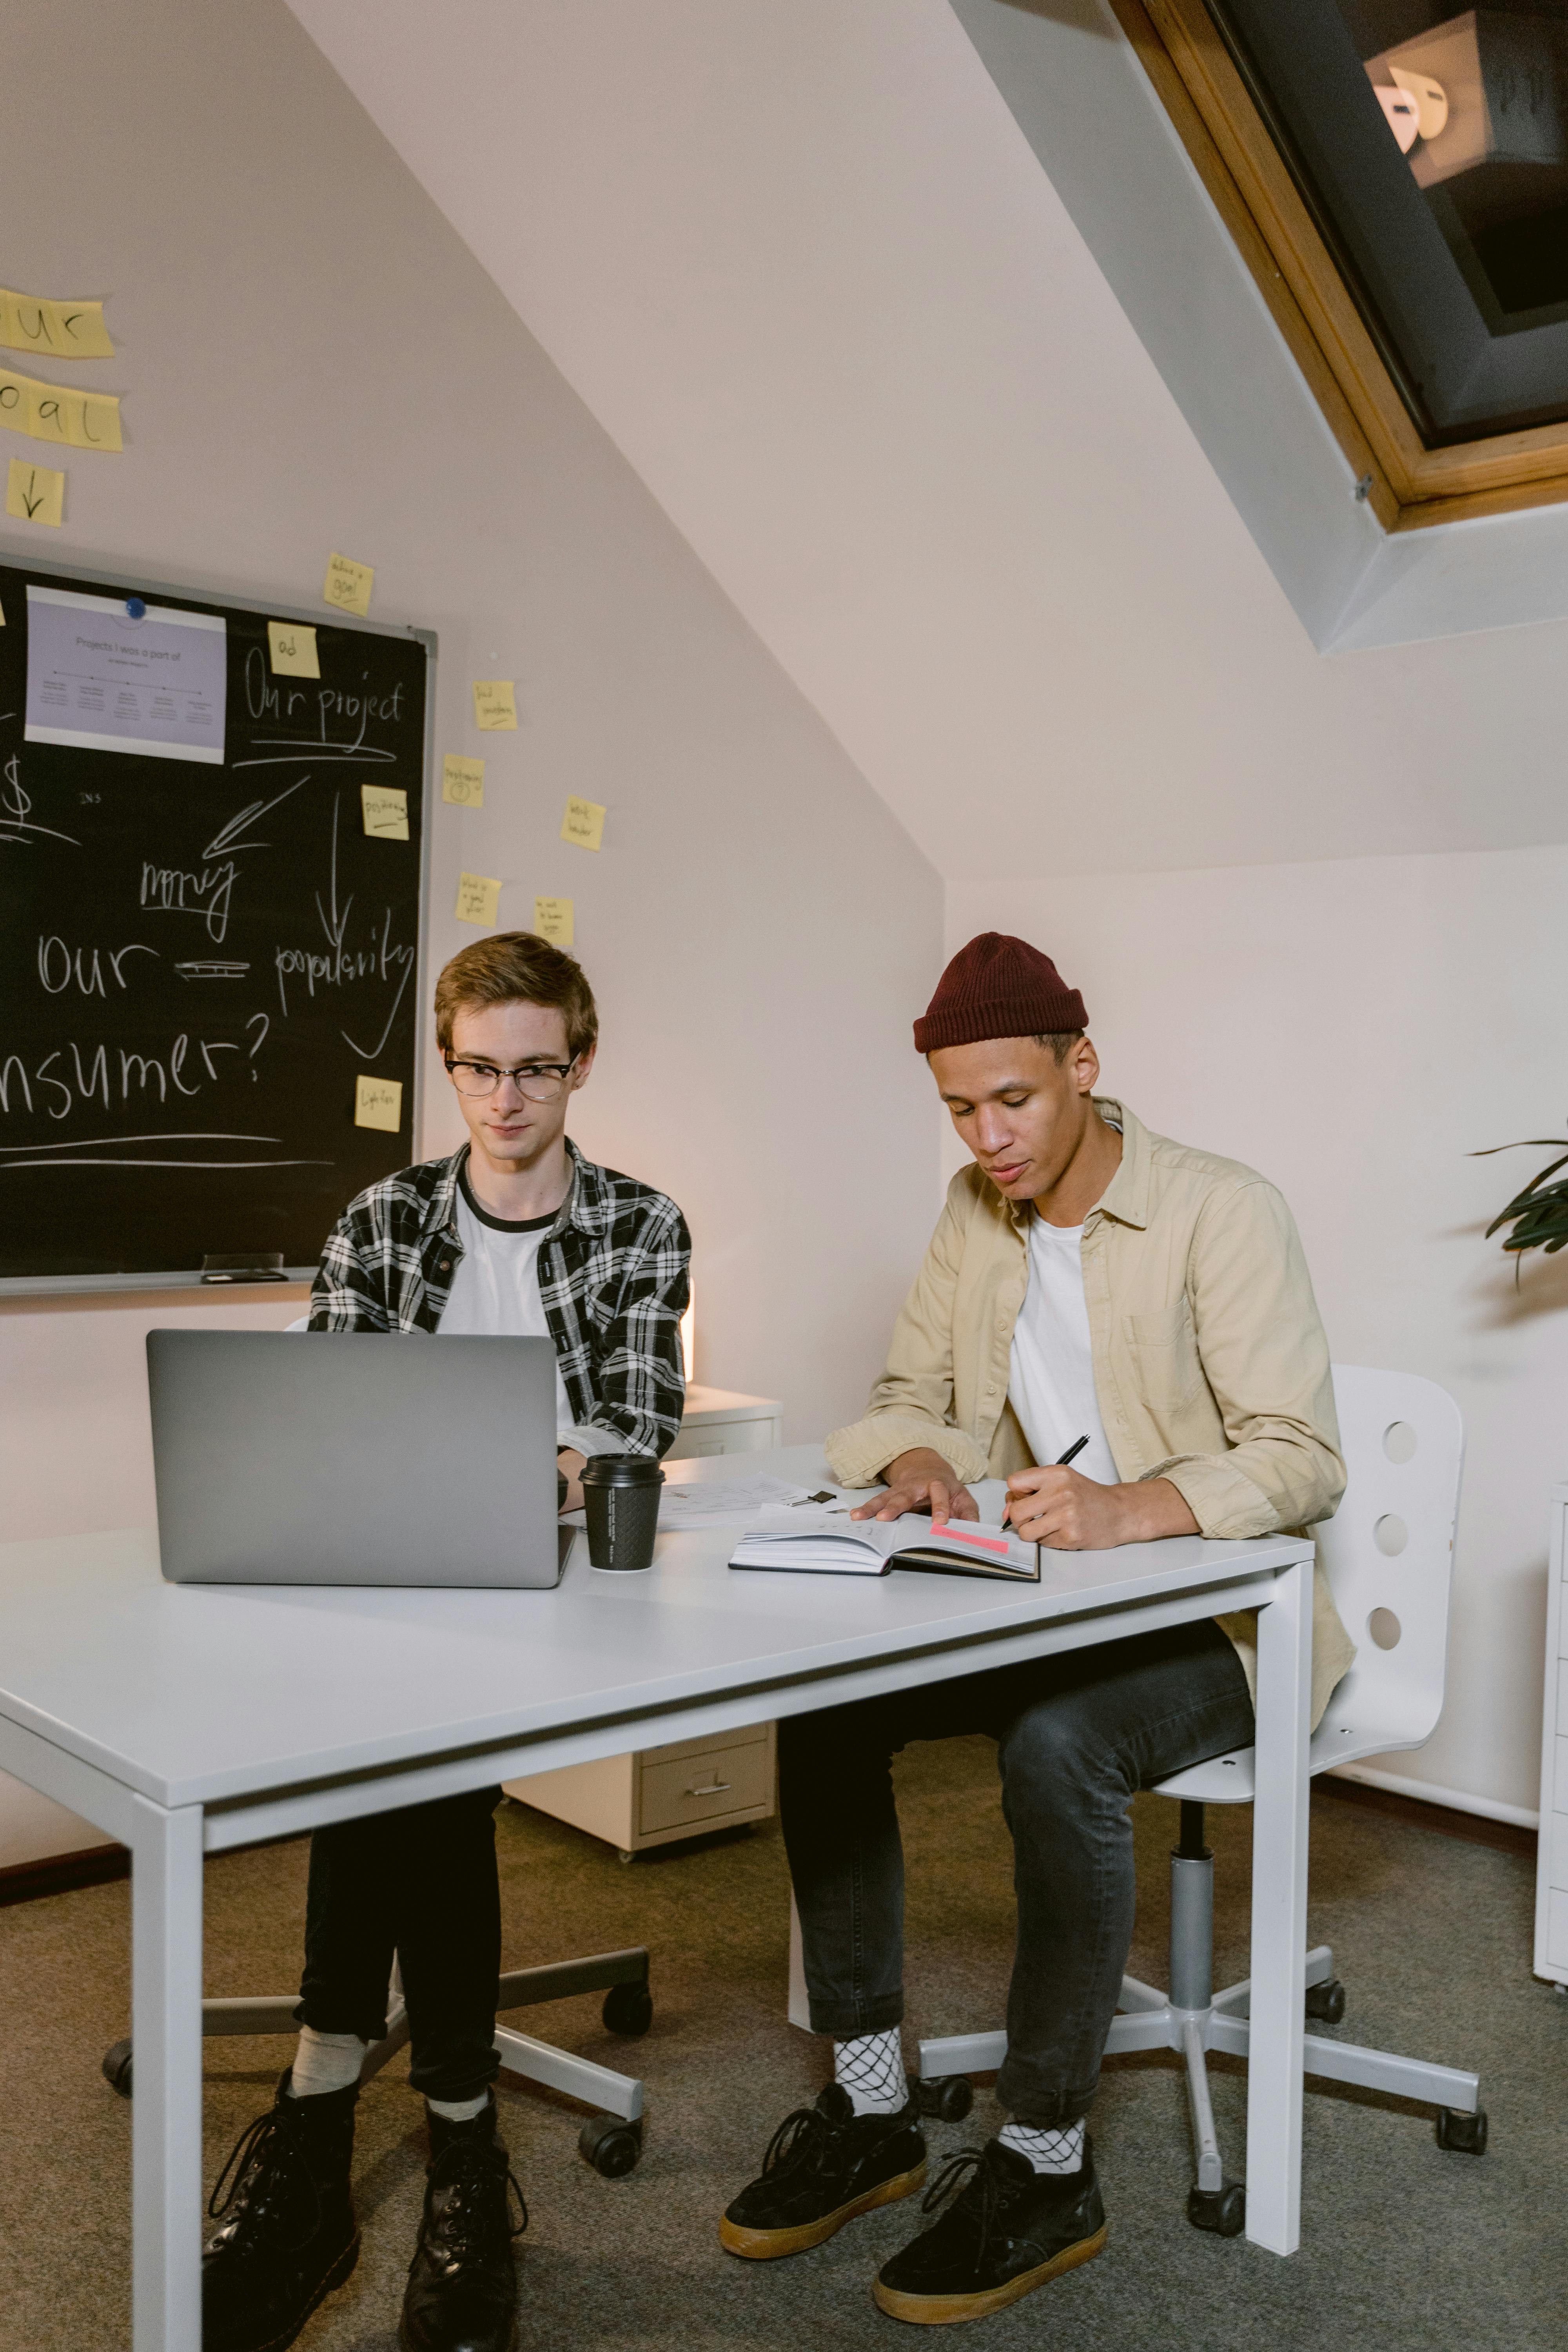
1091	1290
515	1232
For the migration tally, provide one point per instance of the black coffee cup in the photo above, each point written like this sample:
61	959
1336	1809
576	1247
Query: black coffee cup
620	1497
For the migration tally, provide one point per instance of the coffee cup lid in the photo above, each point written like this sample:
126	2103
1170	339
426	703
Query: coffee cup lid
622	1470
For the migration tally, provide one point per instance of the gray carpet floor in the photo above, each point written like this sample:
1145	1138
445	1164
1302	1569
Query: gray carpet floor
1404	2248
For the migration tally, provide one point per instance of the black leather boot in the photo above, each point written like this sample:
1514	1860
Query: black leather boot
462	2283
289	2233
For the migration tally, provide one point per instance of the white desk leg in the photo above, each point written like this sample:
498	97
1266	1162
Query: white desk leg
166	2111
799	1999
1280	1915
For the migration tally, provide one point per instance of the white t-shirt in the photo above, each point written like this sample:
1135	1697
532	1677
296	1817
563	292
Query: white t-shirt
496	1286
1050	1382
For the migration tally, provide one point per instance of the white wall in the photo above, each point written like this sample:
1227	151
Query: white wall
1355	1030
311	359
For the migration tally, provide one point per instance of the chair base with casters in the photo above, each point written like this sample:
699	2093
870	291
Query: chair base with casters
611	2139
1193	2019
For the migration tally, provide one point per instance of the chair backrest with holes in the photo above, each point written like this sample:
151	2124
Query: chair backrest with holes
1389	1552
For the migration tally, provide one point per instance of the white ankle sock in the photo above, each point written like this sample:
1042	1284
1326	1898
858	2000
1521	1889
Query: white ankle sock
1047	2150
871	2069
459	2111
325	2062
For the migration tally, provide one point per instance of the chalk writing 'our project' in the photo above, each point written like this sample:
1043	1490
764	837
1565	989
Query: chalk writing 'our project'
71	331
59	412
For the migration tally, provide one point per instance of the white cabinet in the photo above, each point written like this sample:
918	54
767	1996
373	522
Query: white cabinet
661	1794
1551	1865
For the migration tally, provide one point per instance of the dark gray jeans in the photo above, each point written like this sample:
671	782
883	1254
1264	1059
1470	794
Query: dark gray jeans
1076	1736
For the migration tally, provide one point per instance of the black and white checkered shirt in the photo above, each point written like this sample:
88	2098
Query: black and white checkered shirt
612	1277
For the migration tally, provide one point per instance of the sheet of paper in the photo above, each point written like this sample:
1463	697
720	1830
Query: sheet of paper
35	493
385	810
378	1102
495	702
479	899
98	678
59	412
552	920
348	585
583	823
292	645
31	322
727	1498
463	780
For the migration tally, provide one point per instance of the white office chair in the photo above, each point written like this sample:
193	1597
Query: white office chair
611	2140
1389	1554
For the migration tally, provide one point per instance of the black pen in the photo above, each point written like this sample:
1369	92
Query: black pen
1072	1453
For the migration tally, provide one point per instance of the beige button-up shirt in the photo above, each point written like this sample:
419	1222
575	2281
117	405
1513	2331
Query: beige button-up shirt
1211	1366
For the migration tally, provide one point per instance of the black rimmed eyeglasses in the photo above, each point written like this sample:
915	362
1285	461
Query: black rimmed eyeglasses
535	1081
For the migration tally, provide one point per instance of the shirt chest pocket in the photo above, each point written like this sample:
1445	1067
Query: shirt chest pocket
1164	1350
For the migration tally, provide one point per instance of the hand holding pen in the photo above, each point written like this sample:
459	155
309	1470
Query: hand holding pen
1023	1495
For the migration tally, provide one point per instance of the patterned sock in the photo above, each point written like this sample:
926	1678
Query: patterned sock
1048	2150
459	2111
325	2062
871	2069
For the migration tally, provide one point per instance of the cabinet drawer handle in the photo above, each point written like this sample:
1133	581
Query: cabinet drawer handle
717	1789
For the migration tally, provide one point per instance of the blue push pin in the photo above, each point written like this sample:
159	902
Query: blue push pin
136	606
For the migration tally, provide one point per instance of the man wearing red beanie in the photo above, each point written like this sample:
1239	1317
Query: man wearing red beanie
1087	1281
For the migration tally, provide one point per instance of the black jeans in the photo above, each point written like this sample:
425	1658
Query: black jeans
420	1882
1077	1735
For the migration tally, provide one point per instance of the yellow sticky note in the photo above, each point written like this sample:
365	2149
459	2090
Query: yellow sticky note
385	812
348	585
59	412
479	899
552	920
294	648
378	1102
463	780
35	493
583	823
495	702
30	322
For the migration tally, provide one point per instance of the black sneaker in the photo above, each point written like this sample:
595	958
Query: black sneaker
1006	2230
823	2166
461	2295
289	2233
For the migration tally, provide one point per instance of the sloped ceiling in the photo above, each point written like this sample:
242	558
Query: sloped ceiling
800	261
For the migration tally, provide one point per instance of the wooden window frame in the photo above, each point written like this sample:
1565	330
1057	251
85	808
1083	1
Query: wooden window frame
1407	485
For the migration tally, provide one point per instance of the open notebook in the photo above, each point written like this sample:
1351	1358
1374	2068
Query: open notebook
828	1543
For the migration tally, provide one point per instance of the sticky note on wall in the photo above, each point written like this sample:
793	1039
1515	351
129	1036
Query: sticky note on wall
385	812
463	780
378	1102
495	702
35	493
59	412
479	899
583	823
293	646
31	322
552	920
348	585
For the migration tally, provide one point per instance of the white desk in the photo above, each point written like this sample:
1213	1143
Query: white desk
185	1720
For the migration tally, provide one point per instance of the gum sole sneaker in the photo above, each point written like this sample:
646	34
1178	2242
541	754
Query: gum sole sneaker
824	2165
1002	2231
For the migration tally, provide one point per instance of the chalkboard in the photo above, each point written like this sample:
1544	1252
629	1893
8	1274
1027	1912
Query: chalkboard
203	949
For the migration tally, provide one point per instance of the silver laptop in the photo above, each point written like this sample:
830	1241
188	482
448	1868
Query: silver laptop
354	1457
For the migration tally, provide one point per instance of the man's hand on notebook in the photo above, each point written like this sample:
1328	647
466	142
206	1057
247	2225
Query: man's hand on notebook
1055	1506
920	1480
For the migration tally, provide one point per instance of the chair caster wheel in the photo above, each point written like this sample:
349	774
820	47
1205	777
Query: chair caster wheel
629	2010
117	2068
1223	2211
1327	2002
611	2146
1467	2135
948	2098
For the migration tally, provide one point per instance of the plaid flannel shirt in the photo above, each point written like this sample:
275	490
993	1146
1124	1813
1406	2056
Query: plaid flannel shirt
612	1277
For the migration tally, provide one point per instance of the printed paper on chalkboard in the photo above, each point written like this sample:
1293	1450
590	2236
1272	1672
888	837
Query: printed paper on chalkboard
99	679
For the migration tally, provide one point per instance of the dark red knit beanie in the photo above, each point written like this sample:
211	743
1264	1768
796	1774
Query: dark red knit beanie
998	987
